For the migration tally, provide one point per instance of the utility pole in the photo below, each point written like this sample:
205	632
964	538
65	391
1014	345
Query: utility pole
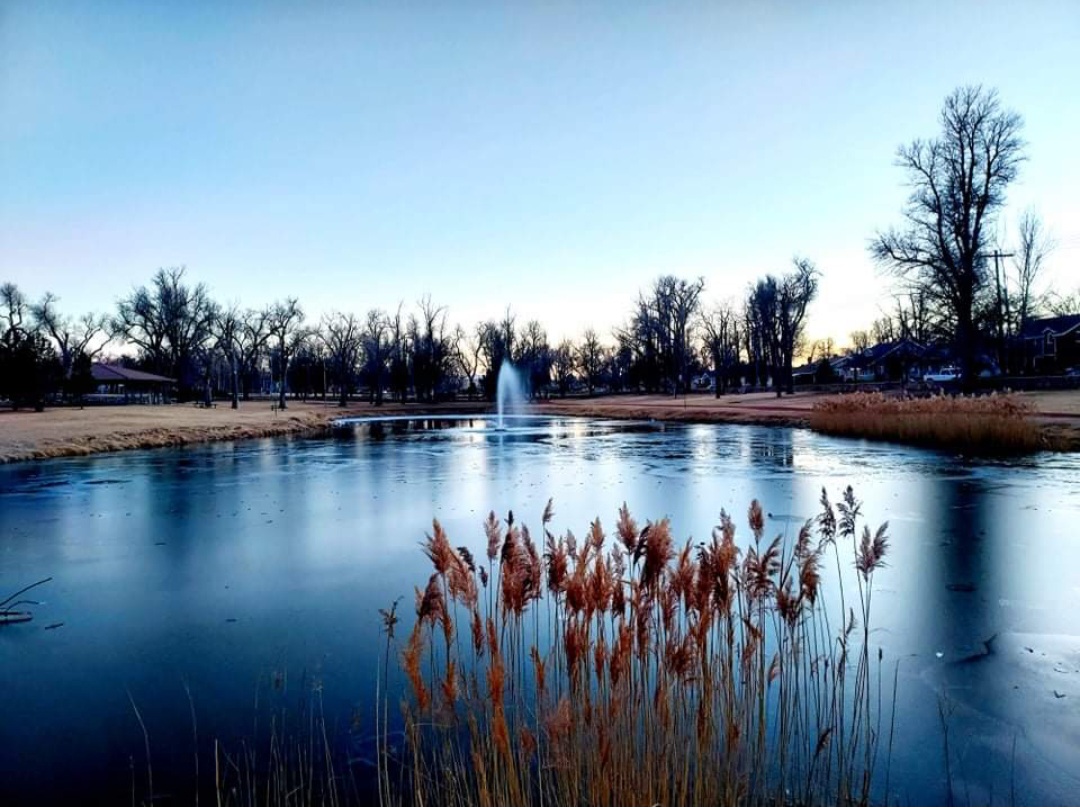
1004	313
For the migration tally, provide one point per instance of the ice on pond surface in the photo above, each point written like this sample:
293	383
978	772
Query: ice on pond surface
302	541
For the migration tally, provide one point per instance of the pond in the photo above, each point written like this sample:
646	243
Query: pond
198	588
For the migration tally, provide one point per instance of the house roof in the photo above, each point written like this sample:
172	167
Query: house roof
116	372
878	353
1056	326
835	362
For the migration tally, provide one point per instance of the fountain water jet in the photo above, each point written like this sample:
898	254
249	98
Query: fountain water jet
509	391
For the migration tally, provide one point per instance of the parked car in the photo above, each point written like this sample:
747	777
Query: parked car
1073	372
942	376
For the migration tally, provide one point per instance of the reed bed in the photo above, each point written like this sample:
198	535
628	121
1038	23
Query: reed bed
989	424
288	758
628	670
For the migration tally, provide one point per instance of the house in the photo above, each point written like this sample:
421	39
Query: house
888	361
1051	345
122	384
822	371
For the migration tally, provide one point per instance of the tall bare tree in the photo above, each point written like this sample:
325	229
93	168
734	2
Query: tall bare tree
884	330
562	365
534	355
14	314
677	302
228	329
1062	305
170	322
720	327
777	311
377	349
590	359
958	183
913	316
343	336
73	337
860	341
284	324
1035	244
253	339
432	348
468	353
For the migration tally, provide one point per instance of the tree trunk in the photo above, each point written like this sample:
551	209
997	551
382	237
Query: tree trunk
235	384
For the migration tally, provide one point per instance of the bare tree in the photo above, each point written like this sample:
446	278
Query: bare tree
860	341
958	183
1063	305
284	323
399	335
913	317
377	348
825	348
86	335
883	330
562	365
29	366
497	339
228	328
1031	253
343	336
534	355
720	327
796	291
590	359
170	322
468	354
777	312
677	302
252	340
14	314
432	348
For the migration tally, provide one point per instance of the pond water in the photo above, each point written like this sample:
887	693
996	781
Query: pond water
249	575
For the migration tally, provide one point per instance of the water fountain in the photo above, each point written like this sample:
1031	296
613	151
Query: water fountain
509	392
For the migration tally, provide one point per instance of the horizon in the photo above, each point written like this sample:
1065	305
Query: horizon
551	159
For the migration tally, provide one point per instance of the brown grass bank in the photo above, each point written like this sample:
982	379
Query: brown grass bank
70	432
66	432
753	408
1053	417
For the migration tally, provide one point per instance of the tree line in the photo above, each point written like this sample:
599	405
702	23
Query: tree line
212	350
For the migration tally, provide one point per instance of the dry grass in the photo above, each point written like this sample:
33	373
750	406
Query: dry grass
751	408
64	432
991	424
68	432
635	671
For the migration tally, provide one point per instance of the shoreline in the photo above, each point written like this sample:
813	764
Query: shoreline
68	432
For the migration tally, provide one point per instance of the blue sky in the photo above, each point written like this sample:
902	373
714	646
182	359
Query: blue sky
554	157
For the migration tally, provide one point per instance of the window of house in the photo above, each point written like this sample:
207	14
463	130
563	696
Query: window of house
1049	345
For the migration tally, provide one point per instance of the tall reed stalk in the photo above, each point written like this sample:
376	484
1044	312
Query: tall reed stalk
626	670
